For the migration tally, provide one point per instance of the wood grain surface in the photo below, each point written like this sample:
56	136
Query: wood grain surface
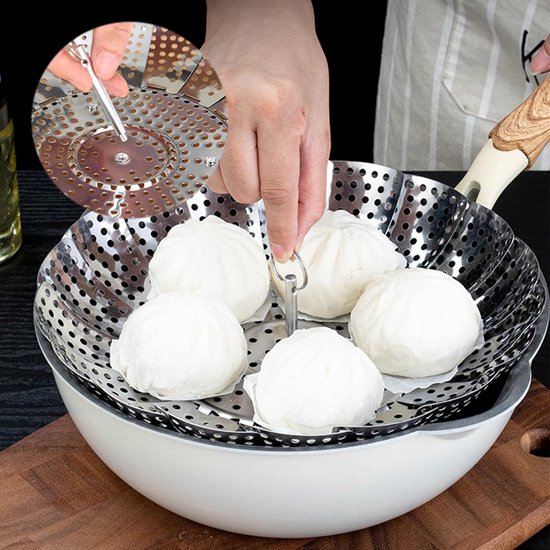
56	494
28	396
527	127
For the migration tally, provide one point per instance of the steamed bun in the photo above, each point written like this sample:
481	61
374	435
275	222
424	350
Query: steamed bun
416	323
214	256
181	346
340	252
313	381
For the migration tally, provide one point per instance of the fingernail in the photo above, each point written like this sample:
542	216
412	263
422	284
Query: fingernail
541	62
106	64
280	252
117	90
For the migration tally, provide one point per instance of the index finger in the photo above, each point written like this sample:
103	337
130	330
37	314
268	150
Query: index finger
67	68
279	170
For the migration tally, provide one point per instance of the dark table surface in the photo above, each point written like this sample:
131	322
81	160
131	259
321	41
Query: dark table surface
28	396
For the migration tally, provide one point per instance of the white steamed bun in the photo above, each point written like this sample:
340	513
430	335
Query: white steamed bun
215	256
416	323
340	252
313	381
181	346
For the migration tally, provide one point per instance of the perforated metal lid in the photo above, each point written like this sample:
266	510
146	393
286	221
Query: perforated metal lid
173	118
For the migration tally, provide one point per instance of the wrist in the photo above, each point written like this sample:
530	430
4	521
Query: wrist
238	15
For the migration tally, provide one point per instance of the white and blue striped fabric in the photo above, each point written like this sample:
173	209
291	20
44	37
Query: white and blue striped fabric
450	70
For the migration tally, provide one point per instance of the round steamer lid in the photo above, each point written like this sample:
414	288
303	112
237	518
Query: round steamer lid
174	121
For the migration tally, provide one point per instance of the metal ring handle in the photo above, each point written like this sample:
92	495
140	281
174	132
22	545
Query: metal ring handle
294	257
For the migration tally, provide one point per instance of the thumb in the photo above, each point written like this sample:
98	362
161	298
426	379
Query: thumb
541	60
109	44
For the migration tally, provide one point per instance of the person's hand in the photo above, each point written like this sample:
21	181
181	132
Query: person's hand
109	43
275	77
541	61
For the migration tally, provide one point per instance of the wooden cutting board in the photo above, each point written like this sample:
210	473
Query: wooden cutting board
56	494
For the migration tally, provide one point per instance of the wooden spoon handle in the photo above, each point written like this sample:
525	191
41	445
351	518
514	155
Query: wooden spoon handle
527	127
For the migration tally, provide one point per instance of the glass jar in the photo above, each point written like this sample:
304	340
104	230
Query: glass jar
10	221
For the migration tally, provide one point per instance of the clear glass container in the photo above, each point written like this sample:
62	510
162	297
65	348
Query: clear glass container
10	221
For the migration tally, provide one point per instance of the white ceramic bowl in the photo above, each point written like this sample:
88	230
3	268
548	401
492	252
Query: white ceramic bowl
297	492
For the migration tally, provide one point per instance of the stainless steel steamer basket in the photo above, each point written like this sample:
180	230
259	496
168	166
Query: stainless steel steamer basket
96	275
